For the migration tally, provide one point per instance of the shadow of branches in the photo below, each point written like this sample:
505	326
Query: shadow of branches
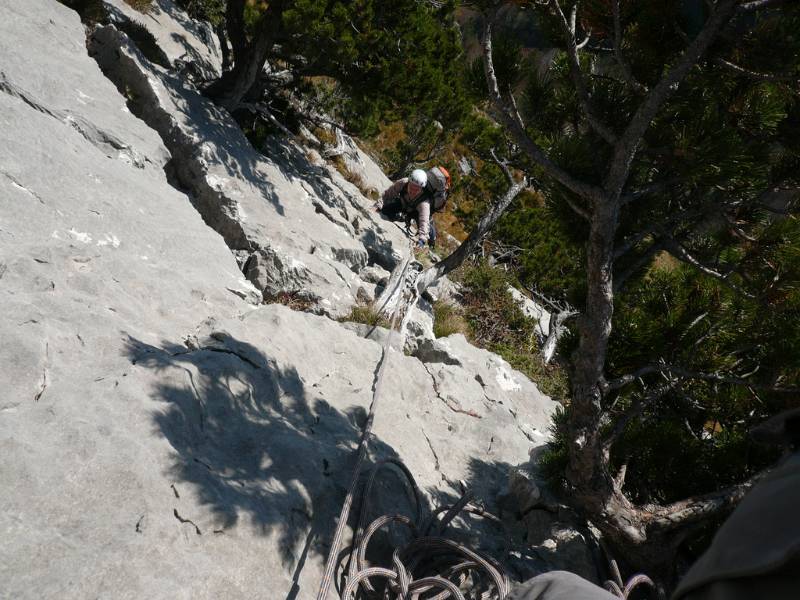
254	439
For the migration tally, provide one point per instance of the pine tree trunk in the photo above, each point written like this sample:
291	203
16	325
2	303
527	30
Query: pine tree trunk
249	58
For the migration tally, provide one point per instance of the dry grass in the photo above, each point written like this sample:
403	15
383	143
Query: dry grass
367	315
664	261
143	6
354	178
294	300
448	319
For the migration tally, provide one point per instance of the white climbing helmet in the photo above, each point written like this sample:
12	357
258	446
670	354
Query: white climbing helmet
419	177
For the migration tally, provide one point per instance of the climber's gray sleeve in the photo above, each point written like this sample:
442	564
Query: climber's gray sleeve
559	585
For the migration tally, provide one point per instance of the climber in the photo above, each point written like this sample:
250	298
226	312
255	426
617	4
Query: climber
417	197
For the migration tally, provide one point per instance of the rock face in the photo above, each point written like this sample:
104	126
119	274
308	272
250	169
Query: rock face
177	40
163	433
307	231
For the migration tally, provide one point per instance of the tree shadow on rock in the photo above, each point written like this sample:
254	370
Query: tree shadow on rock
254	440
541	534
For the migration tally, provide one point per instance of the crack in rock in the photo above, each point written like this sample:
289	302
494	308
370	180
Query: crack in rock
435	456
109	47
18	185
206	465
182	520
100	139
44	383
193	346
454	406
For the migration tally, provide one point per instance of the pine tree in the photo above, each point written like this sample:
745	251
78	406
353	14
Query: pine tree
662	134
391	58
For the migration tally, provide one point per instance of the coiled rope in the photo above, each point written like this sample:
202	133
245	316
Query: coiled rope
430	563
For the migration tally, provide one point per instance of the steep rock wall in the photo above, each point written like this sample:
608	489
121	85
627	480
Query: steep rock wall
163	434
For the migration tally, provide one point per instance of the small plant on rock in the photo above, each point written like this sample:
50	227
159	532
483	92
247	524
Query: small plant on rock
448	319
366	314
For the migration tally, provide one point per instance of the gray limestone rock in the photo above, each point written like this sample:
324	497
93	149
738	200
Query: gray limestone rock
161	436
534	311
444	290
181	40
420	326
278	205
523	485
375	274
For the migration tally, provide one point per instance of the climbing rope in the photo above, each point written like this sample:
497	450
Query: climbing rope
430	562
624	590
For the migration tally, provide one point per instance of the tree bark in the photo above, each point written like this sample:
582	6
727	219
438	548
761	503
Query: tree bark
223	45
249	58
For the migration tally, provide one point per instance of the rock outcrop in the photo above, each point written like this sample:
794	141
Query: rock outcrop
297	225
163	432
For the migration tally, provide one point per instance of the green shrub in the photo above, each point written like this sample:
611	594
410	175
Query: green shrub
554	460
496	323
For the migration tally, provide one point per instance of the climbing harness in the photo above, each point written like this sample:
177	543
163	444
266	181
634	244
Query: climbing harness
430	562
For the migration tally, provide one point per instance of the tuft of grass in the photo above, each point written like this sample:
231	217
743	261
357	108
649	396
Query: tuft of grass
447	320
354	178
294	300
367	315
326	136
143	6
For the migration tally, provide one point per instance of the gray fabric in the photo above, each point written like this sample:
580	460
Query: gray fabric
559	585
782	584
756	545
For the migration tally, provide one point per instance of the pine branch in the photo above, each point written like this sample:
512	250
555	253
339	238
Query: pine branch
626	147
536	153
683	373
636	409
697	509
755	74
432	274
627	74
678	251
262	109
577	75
631	242
622	278
653	188
504	166
759	4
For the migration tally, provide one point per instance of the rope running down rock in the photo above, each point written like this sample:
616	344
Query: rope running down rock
430	562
